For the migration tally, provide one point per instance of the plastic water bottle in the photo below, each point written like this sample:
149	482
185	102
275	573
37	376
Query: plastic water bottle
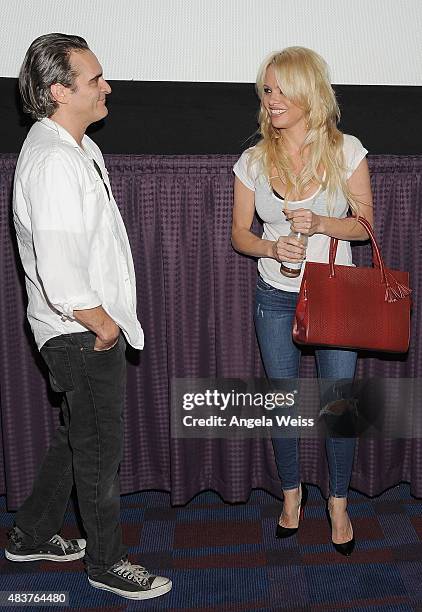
290	268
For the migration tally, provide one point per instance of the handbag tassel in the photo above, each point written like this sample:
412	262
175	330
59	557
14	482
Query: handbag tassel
396	291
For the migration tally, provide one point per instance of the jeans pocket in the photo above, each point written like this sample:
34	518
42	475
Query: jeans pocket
60	370
261	285
90	349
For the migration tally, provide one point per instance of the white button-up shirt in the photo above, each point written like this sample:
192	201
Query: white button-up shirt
71	237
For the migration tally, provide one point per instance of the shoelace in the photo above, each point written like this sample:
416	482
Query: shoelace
136	573
60	542
15	538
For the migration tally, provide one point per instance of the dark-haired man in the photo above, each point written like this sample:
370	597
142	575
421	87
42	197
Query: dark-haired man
80	282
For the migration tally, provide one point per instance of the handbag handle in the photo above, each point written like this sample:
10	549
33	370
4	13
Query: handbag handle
393	289
376	254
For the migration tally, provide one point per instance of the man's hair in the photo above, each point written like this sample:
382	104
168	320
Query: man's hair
46	62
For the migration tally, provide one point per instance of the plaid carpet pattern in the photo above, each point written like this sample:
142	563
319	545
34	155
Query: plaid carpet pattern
225	558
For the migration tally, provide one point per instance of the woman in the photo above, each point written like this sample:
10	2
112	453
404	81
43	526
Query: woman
303	175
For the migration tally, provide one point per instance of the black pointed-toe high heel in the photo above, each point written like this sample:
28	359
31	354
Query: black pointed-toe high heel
346	548
288	532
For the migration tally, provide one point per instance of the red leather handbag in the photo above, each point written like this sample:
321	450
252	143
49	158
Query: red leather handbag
351	307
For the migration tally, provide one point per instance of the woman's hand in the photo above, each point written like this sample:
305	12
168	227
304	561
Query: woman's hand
304	221
288	248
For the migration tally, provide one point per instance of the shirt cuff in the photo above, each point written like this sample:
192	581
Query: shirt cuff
82	302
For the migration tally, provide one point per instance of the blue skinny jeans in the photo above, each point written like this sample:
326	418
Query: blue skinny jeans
274	313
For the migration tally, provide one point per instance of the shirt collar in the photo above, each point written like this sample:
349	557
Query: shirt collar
62	132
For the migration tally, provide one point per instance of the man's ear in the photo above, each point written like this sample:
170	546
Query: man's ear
59	93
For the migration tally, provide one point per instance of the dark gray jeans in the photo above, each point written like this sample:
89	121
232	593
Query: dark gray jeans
86	450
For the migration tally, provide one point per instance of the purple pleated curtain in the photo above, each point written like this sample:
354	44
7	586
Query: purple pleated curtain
195	302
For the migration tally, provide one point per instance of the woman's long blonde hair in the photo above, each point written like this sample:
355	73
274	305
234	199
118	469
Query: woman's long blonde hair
303	77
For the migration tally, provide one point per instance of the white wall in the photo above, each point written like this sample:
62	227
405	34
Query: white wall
364	41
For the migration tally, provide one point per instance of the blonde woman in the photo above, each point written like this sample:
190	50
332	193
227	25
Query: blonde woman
303	175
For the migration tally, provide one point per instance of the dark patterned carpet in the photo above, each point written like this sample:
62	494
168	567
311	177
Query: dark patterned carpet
224	557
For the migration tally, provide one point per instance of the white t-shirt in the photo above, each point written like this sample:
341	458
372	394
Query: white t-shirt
270	209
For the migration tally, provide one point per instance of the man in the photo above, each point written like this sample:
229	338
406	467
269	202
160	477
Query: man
80	282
